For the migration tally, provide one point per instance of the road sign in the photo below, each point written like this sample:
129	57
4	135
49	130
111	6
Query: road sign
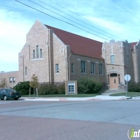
127	77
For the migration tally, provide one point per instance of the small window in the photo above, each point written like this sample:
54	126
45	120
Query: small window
56	68
14	79
10	79
112	59
25	70
83	66
119	79
41	53
72	68
92	67
37	52
33	54
100	68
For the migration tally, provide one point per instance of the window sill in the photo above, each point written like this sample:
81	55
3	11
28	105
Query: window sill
37	59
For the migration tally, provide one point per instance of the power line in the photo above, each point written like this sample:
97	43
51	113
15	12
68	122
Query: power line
80	15
125	9
78	20
64	17
60	20
64	7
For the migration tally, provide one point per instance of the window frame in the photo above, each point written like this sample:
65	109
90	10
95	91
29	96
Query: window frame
37	52
92	68
26	71
57	68
72	68
83	66
14	79
10	80
100	68
112	59
41	55
34	54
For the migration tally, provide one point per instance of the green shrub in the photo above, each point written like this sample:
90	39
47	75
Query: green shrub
61	89
88	85
22	88
133	87
47	89
97	88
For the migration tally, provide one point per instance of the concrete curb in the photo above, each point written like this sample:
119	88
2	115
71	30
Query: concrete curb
136	98
96	98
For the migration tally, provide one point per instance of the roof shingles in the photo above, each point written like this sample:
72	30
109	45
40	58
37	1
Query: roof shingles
78	44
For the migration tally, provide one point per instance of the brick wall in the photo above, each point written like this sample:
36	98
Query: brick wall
128	60
12	78
37	36
76	60
54	51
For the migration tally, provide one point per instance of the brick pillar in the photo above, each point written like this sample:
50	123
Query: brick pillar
50	56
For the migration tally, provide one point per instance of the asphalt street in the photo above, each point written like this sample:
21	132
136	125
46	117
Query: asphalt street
85	120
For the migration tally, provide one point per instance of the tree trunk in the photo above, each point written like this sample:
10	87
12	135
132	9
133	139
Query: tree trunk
37	92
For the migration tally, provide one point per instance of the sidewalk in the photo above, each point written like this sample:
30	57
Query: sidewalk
96	98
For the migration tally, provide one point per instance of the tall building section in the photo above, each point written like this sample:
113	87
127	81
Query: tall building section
136	60
120	59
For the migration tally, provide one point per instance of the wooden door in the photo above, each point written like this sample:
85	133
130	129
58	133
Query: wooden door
114	82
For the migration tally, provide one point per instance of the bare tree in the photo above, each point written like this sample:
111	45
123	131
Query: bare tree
34	83
3	83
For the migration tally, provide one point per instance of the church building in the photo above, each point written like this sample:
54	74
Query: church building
56	56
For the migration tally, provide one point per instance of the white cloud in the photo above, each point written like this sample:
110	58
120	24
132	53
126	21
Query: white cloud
114	26
13	32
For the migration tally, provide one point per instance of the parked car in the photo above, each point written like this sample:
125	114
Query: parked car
6	94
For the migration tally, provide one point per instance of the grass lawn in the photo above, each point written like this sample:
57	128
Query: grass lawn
130	94
62	95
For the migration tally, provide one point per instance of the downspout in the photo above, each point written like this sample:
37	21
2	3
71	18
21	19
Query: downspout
48	43
69	66
23	66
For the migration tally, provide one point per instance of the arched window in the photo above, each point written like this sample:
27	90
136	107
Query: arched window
100	68
41	53
112	59
33	54
37	52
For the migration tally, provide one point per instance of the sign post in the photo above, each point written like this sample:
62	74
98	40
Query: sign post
127	78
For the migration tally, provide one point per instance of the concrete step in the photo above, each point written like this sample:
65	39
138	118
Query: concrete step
108	92
114	91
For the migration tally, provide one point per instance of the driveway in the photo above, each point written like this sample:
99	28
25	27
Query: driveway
86	120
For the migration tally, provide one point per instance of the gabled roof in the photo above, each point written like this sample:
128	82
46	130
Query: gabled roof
133	44
78	44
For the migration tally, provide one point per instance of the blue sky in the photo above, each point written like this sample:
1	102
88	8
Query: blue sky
97	19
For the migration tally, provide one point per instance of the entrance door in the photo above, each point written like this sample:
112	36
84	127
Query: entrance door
113	82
